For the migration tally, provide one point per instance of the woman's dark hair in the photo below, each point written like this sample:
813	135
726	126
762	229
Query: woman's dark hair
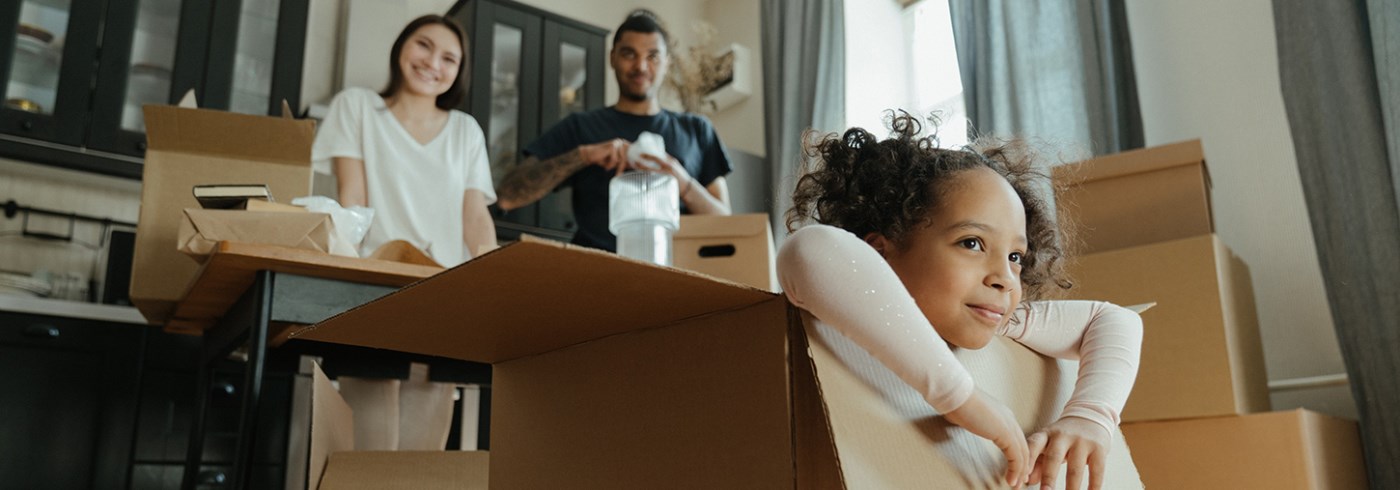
645	22
892	187
453	96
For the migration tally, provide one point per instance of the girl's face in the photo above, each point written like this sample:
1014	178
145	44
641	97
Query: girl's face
964	268
430	60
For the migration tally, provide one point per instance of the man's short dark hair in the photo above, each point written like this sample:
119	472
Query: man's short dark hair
643	21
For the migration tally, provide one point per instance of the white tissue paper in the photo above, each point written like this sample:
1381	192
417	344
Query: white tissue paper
648	143
351	223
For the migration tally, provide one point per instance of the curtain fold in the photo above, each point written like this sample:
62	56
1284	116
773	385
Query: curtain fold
1340	94
1062	71
804	85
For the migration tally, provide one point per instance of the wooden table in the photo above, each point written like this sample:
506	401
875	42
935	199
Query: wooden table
242	291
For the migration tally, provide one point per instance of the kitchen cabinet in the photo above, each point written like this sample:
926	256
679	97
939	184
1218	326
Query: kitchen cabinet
75	73
529	69
70	396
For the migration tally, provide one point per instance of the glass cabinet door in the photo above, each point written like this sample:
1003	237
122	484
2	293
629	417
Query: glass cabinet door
573	82
254	56
137	69
502	98
47	48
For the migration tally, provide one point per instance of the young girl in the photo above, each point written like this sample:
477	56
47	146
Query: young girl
408	154
421	165
921	249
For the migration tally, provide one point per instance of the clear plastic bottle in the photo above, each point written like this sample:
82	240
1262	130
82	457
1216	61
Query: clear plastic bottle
644	211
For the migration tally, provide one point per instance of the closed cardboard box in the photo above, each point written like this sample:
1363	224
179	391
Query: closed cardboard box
1201	354
1136	197
188	147
738	248
1297	449
611	373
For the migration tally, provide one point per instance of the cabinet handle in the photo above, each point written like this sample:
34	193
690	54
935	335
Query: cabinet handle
141	145
212	478
27	125
41	331
223	388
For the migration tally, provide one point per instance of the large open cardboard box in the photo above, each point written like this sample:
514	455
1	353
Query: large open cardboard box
1201	354
1297	449
188	147
614	373
1136	197
738	248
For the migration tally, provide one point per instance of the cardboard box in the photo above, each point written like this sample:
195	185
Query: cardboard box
203	229
613	373
188	147
334	464
1136	197
1279	450
738	248
1201	354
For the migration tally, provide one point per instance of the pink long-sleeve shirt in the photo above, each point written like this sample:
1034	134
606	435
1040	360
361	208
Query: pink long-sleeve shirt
831	274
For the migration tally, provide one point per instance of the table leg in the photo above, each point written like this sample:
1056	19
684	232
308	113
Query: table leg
261	295
195	453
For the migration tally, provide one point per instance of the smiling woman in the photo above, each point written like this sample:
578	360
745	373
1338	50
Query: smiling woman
407	153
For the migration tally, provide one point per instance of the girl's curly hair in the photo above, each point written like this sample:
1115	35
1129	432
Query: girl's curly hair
891	187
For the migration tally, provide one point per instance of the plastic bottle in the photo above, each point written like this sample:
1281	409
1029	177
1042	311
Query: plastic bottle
644	211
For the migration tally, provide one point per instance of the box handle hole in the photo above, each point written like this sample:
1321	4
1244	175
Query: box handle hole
717	251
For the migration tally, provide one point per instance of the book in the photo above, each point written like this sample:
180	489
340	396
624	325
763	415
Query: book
230	196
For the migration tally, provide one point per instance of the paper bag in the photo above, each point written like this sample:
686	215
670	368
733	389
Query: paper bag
203	229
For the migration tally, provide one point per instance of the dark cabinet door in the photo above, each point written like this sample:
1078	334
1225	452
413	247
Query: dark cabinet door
530	69
46	53
69	401
71	104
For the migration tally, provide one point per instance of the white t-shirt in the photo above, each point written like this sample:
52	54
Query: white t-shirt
415	189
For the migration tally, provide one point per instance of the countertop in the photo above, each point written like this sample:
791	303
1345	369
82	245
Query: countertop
71	309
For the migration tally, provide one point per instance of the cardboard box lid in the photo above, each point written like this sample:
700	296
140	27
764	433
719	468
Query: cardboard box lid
530	297
206	132
707	226
1134	161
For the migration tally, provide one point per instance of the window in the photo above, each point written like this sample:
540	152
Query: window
903	58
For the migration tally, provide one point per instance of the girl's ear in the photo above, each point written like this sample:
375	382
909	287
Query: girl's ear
878	242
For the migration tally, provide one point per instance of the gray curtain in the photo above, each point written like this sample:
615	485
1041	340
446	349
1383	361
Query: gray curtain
1062	71
1340	93
804	85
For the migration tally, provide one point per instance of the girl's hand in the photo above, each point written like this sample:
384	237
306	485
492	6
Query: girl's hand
1075	442
986	417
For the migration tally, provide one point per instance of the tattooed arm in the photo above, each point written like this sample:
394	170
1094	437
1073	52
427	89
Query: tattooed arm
533	178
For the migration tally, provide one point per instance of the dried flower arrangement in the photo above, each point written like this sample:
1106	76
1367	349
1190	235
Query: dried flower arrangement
698	70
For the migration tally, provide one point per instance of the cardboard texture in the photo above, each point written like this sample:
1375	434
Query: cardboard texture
188	147
202	230
1297	449
1136	197
332	426
407	470
738	248
1201	353
638	376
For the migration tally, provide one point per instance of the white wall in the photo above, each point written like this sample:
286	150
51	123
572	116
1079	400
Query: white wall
1209	69
738	21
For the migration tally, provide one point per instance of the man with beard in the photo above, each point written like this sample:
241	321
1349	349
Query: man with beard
587	149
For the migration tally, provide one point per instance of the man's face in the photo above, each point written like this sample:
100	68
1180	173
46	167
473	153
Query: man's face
639	63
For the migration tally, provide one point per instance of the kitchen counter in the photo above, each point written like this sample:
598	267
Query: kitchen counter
71	309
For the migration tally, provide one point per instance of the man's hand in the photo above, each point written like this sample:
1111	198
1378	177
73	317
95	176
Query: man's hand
1075	442
986	417
611	154
669	166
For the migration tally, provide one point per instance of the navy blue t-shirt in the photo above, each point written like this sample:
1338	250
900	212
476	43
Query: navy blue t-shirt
689	137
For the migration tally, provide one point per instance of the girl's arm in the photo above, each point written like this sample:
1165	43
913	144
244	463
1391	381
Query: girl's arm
478	230
1105	338
844	283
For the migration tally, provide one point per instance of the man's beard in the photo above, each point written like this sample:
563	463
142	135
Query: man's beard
642	96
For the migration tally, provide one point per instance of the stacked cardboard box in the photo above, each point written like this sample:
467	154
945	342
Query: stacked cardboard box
1142	222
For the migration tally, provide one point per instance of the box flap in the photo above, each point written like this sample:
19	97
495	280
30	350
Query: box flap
207	132
332	425
407	470
1131	162
527	298
706	226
